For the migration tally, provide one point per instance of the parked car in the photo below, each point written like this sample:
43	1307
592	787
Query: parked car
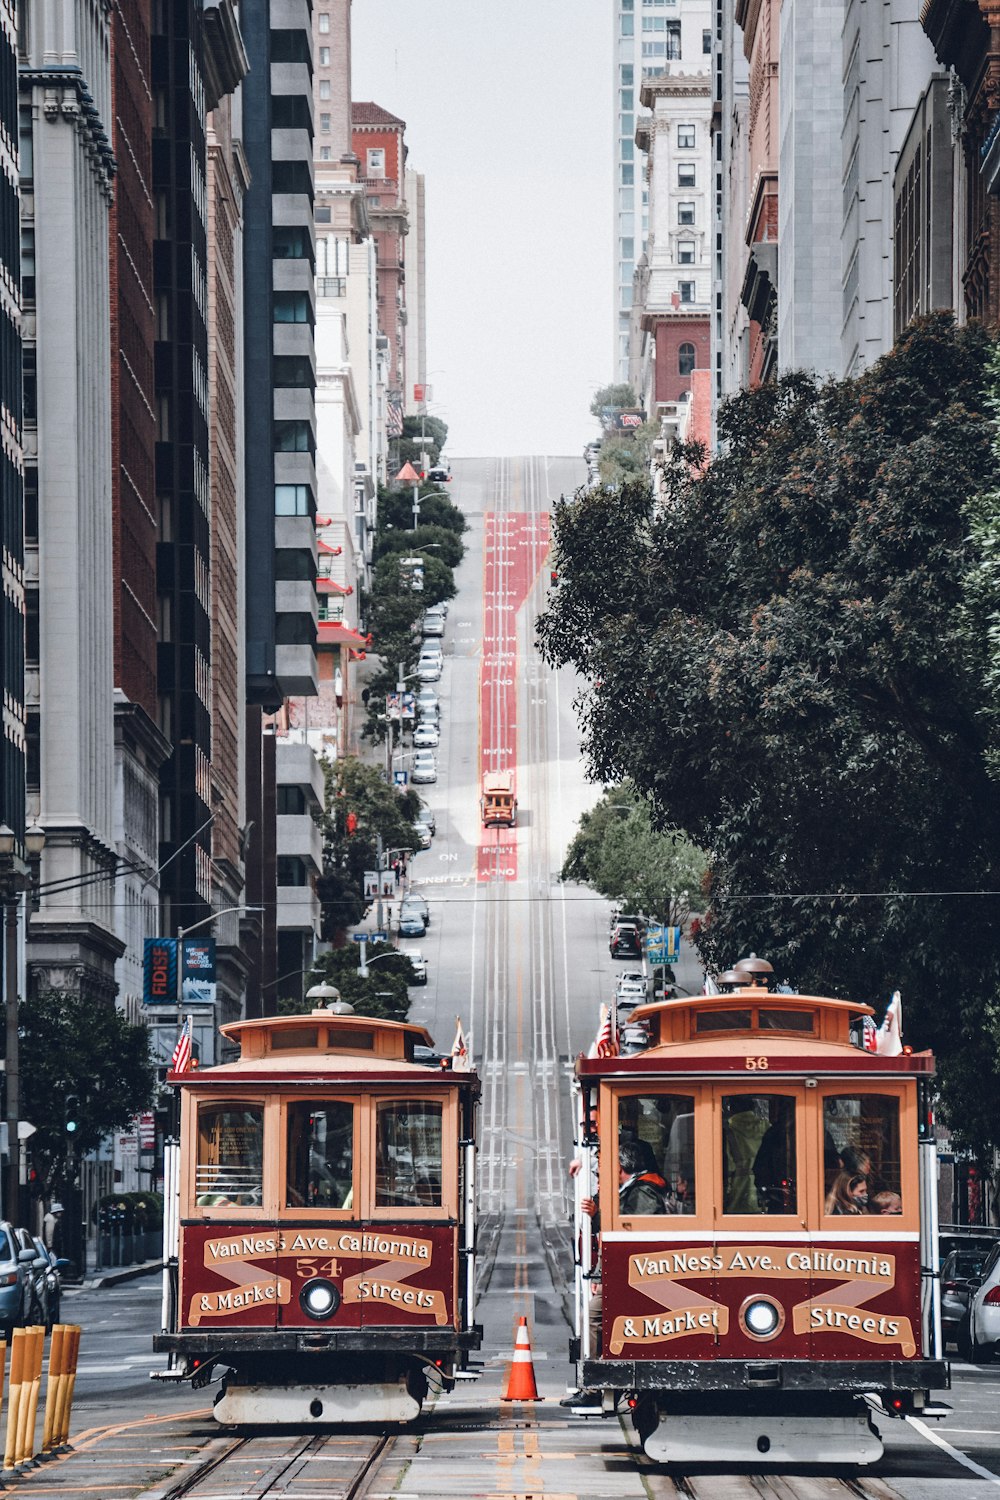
426	815
957	1269
634	976
429	668
411	923
424	768
634	1036
422	834
15	1263
427	698
418	964
433	623
413	901
440	474
979	1333
629	993
427	735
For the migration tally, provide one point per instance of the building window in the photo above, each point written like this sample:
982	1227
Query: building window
685	359
323	213
685	174
324	57
292	500
685	137
673	39
628	26
291	307
293	437
628	174
685	252
627	251
627	99
627	126
325	153
627	151
324	22
376	161
324	88
685	213
324	124
686	289
706	41
291	871
291	242
626	74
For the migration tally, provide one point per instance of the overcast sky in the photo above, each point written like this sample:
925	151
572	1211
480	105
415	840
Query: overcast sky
508	115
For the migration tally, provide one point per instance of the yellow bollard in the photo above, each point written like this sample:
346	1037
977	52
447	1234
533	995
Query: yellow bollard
56	1346
31	1412
14	1398
66	1403
3	1372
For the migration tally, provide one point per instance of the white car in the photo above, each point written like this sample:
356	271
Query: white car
424	768
417	962
433	624
427	736
429	668
979	1337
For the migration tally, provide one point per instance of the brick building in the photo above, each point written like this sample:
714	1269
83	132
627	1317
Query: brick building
379	146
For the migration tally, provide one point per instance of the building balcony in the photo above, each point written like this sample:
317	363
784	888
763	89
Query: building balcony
296	765
298	835
290	15
298	908
292	276
295	468
296	671
295	596
295	533
293	402
295	338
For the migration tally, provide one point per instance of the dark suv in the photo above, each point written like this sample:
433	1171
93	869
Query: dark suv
626	939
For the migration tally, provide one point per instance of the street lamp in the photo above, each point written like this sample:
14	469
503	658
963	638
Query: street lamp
15	877
326	996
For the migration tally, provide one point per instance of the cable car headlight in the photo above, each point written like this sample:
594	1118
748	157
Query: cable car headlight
319	1299
762	1317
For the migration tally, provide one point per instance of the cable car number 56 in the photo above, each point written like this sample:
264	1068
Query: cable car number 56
757	1064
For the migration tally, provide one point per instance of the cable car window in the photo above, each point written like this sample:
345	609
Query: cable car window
408	1154
861	1165
660	1129
230	1167
320	1171
723	1020
786	1020
758	1147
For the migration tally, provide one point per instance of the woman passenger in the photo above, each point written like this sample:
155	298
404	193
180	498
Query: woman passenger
849	1194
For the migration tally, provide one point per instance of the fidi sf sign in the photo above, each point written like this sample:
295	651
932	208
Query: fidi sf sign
198	985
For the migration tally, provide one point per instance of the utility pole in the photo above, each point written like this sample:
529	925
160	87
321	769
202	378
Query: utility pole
378	867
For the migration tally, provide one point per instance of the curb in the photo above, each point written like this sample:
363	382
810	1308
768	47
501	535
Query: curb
126	1273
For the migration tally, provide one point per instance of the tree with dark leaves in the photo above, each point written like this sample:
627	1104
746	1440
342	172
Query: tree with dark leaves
793	654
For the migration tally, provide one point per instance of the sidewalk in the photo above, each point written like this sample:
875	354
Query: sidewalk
113	1275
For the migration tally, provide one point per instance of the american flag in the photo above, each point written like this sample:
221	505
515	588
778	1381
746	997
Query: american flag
394	418
181	1060
869	1034
607	1035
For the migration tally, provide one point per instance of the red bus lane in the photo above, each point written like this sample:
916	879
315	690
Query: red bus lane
516	544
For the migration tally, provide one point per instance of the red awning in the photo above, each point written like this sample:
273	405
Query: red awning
334	633
331	586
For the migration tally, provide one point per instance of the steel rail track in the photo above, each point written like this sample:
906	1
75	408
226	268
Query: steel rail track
215	1465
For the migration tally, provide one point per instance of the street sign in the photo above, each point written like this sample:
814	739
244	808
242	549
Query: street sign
400	778
662	944
369	937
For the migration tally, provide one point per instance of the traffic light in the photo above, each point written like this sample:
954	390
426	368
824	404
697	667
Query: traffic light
72	1113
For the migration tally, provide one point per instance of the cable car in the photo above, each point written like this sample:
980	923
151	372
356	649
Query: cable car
765	1274
320	1231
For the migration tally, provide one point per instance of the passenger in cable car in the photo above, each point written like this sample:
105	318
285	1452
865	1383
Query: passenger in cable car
849	1194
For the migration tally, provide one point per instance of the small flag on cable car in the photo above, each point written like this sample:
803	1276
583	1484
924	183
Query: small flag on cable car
869	1034
607	1035
181	1060
460	1061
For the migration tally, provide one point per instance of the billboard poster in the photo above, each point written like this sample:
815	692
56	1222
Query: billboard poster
198	977
159	971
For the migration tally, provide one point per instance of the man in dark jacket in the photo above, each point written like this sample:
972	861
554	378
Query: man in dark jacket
639	1191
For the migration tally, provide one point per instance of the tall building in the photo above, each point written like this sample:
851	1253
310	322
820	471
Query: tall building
731	169
12	740
415	335
140	747
671	306
651	36
887	67
381	150
280	485
965	35
67	187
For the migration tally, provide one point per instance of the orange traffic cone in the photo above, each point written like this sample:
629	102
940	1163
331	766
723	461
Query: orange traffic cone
521	1379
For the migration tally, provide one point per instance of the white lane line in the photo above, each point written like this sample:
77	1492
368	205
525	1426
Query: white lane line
955	1453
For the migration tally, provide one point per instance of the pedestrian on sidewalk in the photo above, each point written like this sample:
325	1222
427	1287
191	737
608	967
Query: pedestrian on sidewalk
52	1228
397	870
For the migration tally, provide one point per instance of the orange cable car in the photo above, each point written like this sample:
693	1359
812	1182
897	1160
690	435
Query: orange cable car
320	1234
767	1254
